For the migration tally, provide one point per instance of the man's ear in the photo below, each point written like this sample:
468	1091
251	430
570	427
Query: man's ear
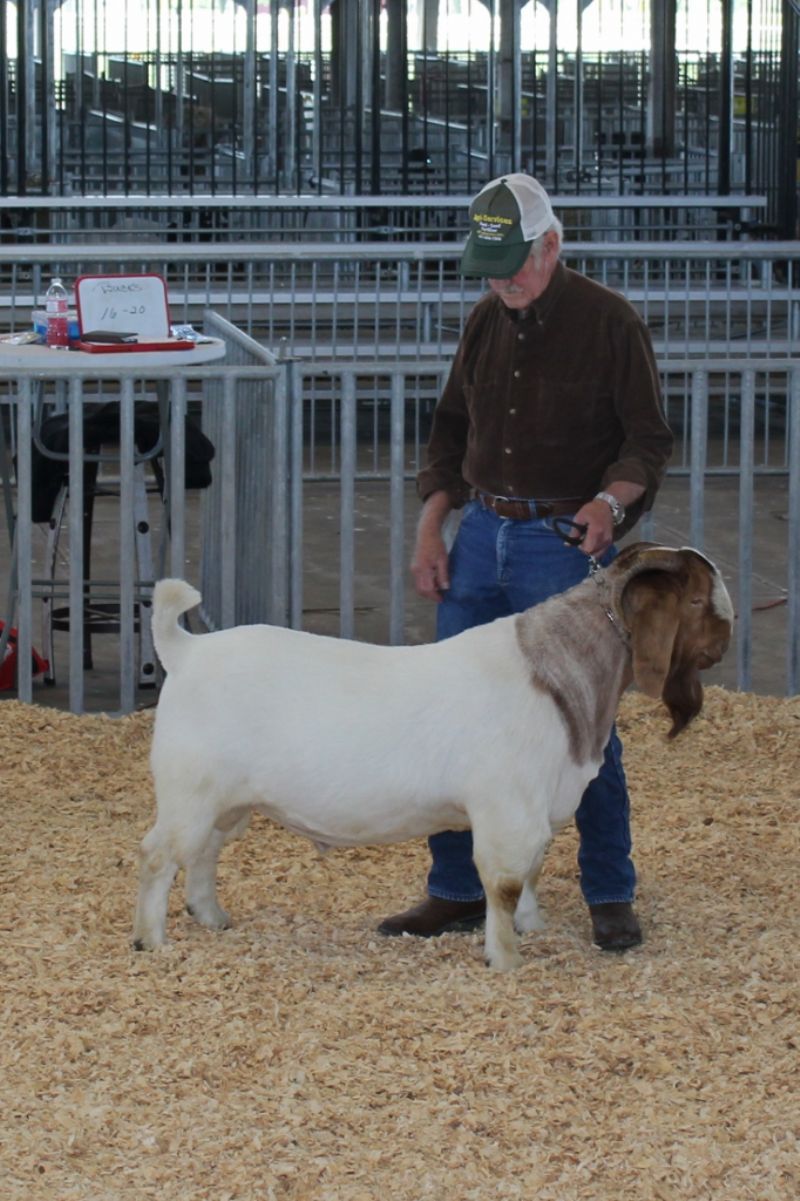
651	611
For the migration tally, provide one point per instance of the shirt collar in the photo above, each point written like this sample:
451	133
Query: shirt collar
541	308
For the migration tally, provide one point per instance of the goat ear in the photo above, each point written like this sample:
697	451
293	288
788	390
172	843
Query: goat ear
651	610
683	695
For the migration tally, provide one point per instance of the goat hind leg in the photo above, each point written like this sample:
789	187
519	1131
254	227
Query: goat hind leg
157	868
201	883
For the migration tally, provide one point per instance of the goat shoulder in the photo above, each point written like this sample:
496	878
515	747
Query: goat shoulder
575	656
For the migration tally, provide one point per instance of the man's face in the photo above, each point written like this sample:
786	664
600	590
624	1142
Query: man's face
532	278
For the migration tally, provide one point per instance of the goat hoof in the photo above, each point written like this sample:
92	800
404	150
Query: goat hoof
138	945
213	917
508	963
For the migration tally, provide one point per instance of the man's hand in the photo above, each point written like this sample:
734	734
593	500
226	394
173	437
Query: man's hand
596	516
429	564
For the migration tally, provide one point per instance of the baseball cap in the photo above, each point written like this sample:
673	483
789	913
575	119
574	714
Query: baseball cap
505	217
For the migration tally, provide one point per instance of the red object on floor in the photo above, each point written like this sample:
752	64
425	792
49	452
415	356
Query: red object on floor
8	667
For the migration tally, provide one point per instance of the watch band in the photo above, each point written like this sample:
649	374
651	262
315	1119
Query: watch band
616	506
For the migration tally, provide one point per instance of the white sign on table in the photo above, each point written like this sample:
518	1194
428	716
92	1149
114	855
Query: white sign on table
132	304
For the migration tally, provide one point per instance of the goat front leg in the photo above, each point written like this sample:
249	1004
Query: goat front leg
509	857
528	917
501	945
502	882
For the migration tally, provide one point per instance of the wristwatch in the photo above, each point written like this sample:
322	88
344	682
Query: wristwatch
616	506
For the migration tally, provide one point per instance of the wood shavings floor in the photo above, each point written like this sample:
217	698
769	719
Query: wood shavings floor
300	1057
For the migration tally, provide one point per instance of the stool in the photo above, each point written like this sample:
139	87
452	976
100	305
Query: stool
101	610
101	613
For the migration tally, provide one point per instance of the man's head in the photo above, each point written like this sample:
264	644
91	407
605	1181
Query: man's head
515	239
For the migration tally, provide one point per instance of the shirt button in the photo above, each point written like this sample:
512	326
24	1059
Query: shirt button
517	374
520	337
512	412
508	450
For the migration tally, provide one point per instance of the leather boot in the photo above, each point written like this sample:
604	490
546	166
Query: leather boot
433	916
615	926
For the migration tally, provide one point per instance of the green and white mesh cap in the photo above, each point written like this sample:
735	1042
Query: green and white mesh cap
505	218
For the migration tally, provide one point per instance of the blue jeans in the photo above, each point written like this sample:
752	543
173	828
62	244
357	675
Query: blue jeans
499	567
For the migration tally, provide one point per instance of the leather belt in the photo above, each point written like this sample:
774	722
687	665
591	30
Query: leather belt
527	510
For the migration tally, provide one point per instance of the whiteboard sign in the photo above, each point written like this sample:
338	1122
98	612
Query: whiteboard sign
134	304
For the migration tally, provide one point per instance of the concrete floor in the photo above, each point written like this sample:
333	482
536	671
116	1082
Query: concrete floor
321	578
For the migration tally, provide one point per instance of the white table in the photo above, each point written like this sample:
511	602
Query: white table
42	362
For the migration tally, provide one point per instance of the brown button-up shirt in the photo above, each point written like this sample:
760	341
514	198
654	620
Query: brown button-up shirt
557	402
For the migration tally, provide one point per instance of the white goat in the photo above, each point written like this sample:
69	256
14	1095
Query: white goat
499	729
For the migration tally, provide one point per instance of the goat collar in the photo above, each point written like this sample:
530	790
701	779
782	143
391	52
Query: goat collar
597	574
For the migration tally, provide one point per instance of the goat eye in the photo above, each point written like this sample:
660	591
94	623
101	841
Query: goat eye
698	600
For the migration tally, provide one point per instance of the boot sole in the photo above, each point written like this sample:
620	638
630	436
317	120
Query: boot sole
462	926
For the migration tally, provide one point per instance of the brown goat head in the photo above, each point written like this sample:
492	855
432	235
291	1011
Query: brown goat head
680	617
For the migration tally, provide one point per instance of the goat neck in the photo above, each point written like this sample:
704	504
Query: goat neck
579	653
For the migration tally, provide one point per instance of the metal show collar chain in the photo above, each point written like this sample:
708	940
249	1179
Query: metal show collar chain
563	527
596	573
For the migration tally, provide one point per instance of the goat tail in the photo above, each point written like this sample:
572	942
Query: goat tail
171	599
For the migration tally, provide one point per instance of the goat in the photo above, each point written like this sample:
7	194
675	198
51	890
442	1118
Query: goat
499	729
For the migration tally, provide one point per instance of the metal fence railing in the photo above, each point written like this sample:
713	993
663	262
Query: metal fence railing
249	98
72	220
292	471
741	424
393	300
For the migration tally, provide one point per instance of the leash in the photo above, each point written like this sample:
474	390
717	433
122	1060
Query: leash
564	527
572	533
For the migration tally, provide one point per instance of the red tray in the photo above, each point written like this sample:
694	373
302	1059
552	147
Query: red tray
132	347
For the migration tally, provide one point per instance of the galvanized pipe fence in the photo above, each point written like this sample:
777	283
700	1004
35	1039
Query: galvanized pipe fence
96	98
219	217
275	529
390	300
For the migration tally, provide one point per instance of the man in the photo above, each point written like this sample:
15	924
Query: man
552	410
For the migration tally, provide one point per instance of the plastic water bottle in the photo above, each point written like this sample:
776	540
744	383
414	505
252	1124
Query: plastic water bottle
56	304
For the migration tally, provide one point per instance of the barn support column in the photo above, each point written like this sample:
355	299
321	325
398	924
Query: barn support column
348	64
725	101
509	87
428	31
789	145
551	113
661	102
396	55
